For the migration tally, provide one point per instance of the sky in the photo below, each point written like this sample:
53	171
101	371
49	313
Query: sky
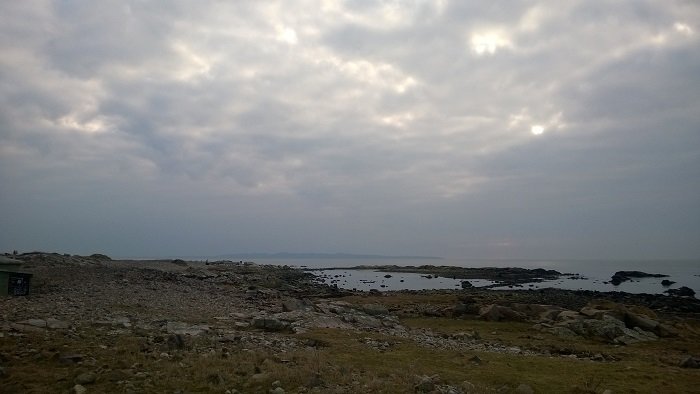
465	129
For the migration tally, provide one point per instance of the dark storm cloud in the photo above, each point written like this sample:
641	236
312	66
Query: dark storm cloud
381	127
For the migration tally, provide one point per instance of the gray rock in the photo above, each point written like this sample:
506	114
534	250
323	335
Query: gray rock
633	320
85	378
524	389
174	327
56	324
79	389
375	309
270	324
277	390
425	384
41	323
296	304
500	313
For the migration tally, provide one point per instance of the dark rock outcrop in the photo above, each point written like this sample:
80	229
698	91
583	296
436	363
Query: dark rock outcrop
683	291
622	276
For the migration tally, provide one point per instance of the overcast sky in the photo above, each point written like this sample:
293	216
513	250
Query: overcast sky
471	129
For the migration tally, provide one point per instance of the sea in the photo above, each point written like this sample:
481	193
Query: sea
592	274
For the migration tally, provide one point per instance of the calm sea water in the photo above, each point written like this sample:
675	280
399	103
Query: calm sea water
683	272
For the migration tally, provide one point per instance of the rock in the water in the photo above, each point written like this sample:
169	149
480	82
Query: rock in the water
683	291
466	284
85	378
622	276
666	282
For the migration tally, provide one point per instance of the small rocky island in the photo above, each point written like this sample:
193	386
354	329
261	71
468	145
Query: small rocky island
93	324
623	276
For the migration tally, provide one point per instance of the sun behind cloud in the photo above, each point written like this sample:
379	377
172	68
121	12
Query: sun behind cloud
537	129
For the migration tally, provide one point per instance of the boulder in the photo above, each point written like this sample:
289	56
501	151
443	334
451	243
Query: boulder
462	309
85	378
690	362
174	327
296	304
374	309
56	324
538	311
495	312
633	320
683	291
524	389
270	324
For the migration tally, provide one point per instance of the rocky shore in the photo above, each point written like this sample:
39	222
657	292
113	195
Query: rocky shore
93	324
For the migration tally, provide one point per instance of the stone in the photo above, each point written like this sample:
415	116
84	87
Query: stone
270	324
277	390
85	378
79	389
425	384
466	284
296	304
633	320
495	312
683	291
463	335
524	389
174	327
41	323
259	377
667	283
69	358
56	324
374	309
690	362
176	342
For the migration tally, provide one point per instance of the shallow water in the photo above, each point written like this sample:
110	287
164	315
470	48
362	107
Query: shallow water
371	279
596	273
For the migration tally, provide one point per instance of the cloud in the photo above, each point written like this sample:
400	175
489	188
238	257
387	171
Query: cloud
384	127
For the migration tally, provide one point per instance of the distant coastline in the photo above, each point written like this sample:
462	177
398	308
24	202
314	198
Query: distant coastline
286	255
283	256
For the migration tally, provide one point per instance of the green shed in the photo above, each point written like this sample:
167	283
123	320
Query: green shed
12	281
